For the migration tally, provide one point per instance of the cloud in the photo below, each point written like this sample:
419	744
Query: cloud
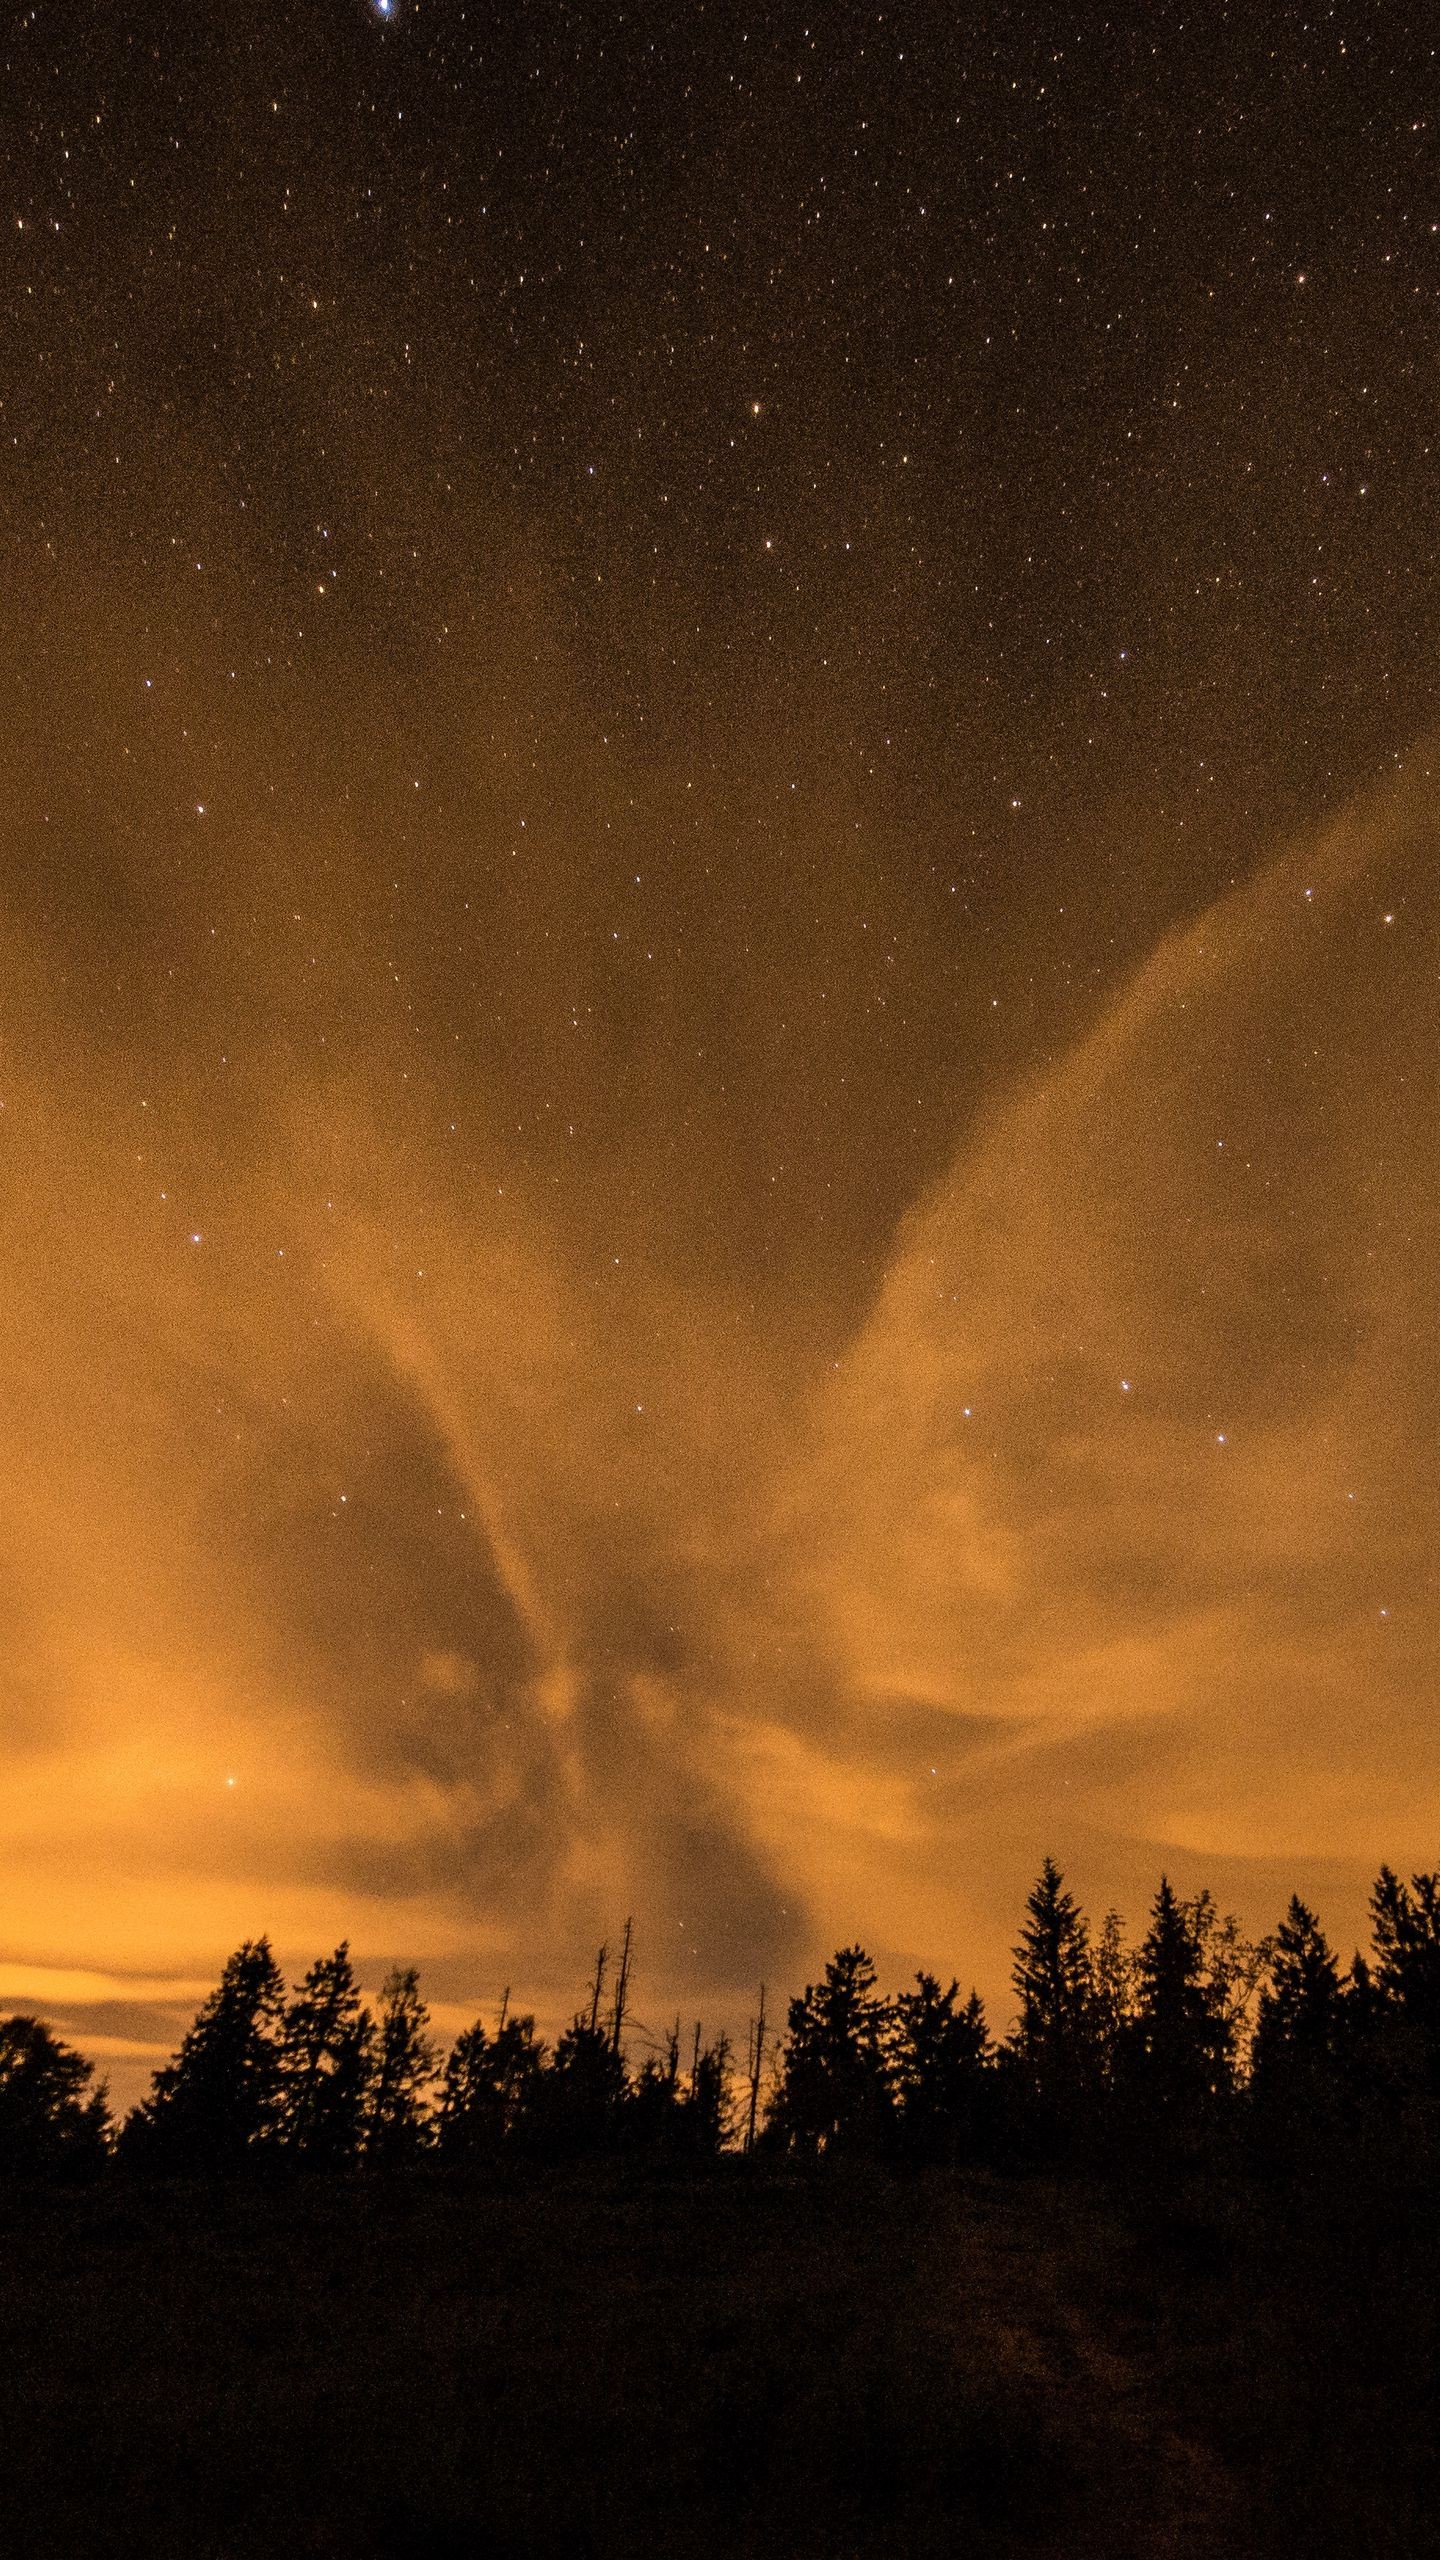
1132	1455
450	1550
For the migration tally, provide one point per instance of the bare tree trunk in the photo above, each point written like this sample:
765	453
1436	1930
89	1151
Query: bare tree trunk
622	1985
601	1960
757	2057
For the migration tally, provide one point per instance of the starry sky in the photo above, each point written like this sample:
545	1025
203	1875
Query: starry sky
718	1065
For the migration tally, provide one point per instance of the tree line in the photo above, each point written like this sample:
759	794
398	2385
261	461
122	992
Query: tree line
1194	2039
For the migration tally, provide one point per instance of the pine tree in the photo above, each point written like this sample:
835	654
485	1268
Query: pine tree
1359	2029
1405	1923
1293	2058
834	2090
216	2107
1057	2041
941	2057
653	2118
1113	1993
581	2102
396	2124
52	2124
326	2050
1180	2041
705	2109
488	2088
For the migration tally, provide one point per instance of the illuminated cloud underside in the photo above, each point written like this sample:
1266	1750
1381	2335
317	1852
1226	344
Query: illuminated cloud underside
385	1554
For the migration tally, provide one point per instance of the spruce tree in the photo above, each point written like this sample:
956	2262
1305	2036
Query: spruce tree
1057	2041
1180	2040
1405	1923
1293	2057
326	2055
1113	1997
581	2102
396	2127
488	2088
704	2112
52	2124
653	2110
1359	2032
217	2107
834	2090
941	2056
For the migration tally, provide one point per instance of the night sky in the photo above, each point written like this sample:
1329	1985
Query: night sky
718	972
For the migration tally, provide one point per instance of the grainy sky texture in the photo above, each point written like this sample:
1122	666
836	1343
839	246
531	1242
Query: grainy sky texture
718	980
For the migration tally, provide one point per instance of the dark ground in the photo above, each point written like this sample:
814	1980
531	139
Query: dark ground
598	2362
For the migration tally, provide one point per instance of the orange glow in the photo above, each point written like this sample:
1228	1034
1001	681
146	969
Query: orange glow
439	1555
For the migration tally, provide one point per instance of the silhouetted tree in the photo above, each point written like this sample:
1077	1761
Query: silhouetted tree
1233	1967
834	2089
754	2071
705	2108
216	2107
1359	2035
684	2115
1113	1995
1180	2042
52	2123
940	2064
396	2125
1057	2039
653	2108
326	2062
488	2090
1294	2056
1405	1921
620	2001
1155	2051
579	2103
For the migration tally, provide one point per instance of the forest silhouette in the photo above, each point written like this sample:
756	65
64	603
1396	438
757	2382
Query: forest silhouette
1155	2269
1198	2042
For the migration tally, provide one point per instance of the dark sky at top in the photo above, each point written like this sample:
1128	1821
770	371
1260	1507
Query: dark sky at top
694	701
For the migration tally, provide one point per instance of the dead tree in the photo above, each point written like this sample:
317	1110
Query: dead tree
622	1986
598	1988
756	2060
